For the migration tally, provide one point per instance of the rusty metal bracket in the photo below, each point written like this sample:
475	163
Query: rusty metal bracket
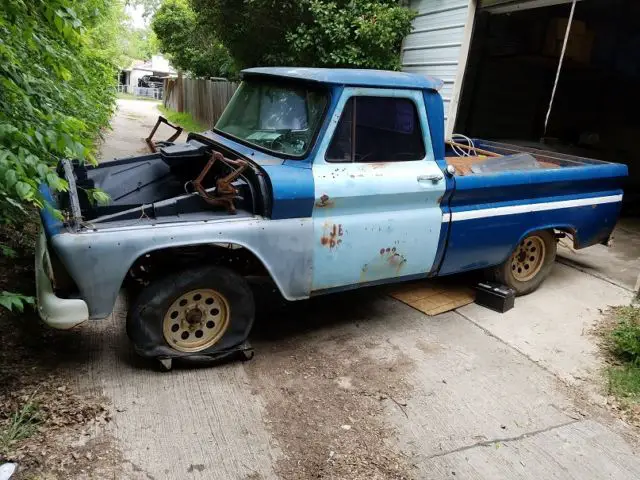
161	119
225	193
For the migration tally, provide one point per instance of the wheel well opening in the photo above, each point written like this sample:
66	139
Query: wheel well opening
159	263
569	231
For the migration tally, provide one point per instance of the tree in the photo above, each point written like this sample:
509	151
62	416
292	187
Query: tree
326	33
254	31
355	33
190	44
139	44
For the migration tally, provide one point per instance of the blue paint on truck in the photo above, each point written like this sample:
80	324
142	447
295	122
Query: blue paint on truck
565	199
348	76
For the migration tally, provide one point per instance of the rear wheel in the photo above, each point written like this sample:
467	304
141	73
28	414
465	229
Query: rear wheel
206	312
529	264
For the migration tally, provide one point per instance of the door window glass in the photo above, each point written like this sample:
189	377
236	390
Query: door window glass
377	129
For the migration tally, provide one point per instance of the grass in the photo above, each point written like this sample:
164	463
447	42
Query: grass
624	381
623	342
22	424
185	120
129	96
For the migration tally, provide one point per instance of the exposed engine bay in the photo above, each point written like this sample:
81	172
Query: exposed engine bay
187	179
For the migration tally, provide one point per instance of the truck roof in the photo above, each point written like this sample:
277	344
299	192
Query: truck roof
353	77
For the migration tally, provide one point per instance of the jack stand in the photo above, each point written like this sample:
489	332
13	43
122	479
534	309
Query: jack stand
247	352
166	363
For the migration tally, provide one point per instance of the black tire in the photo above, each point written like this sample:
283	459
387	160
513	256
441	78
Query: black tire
148	310
506	273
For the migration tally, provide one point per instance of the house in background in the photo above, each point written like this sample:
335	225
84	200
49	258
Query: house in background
146	75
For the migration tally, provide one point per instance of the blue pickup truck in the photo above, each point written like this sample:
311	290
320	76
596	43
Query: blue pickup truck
321	181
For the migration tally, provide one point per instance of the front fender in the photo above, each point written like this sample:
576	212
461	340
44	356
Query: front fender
99	260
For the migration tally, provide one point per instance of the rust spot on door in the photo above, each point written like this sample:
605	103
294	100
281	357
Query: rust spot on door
389	263
376	166
332	235
325	202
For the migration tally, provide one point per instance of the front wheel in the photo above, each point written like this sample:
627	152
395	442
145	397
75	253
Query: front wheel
529	264
205	312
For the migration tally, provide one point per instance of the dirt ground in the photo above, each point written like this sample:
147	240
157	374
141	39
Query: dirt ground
35	363
351	386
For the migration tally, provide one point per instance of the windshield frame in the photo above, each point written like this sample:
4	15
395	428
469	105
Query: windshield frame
284	83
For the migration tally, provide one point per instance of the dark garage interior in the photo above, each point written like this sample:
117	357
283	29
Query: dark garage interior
512	66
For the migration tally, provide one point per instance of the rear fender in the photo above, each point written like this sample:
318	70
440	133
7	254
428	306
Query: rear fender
580	240
483	242
562	227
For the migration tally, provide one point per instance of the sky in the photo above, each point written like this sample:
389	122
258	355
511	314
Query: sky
135	13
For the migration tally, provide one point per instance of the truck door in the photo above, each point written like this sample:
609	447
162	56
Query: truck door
377	215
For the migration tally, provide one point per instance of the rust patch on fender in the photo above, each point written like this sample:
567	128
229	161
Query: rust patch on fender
332	235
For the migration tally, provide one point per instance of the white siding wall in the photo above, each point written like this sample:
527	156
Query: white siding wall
438	46
137	74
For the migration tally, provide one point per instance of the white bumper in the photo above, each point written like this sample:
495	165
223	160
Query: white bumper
60	313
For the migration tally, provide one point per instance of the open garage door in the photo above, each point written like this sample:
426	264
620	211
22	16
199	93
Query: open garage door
512	67
441	37
508	6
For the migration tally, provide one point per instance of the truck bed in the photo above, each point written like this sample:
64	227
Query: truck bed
527	189
542	159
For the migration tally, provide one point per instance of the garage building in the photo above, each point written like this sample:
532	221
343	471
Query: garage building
560	75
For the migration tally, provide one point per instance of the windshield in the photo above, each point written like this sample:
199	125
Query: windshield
282	118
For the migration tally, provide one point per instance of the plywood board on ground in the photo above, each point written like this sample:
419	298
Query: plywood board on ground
433	298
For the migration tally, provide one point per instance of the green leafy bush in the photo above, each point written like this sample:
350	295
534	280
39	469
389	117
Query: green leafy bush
57	73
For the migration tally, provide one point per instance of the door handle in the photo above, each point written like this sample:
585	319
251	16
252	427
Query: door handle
435	178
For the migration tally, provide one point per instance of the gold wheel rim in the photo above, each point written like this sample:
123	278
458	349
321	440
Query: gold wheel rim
196	320
528	258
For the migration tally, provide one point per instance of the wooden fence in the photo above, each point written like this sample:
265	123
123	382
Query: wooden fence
204	99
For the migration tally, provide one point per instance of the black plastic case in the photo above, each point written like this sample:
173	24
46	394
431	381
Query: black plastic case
495	296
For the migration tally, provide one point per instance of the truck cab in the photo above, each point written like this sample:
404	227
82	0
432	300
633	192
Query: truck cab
375	187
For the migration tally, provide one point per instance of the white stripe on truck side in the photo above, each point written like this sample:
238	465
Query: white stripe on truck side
528	207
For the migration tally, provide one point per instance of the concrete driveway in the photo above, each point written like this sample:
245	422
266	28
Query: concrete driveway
360	385
132	123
